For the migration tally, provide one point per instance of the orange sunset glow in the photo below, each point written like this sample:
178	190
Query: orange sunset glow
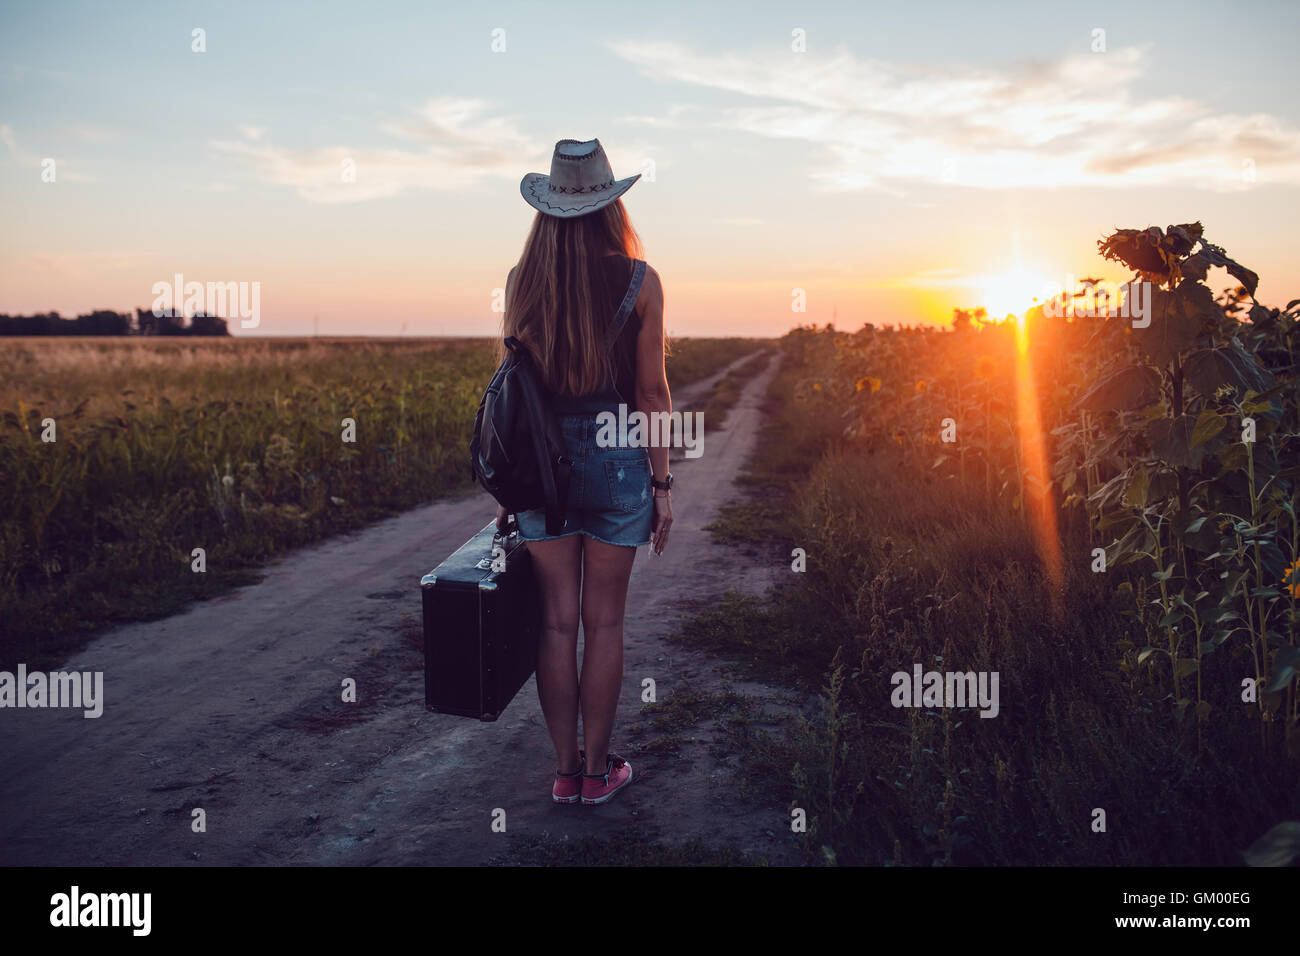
861	174
885	457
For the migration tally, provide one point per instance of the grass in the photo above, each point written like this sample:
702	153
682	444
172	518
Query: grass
686	708
233	446
904	566
672	720
726	391
690	360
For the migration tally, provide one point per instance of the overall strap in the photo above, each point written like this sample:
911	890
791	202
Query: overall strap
629	302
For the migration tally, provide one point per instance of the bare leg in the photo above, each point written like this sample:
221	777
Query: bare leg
558	565
605	572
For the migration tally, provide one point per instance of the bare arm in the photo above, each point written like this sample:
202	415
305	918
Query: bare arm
652	395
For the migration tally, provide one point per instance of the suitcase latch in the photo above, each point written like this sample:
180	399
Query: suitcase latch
498	553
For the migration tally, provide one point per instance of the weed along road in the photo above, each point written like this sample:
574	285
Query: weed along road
224	738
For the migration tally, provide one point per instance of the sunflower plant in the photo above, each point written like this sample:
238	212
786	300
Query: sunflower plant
1183	444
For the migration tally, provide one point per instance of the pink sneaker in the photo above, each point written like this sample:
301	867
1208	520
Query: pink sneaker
568	786
599	787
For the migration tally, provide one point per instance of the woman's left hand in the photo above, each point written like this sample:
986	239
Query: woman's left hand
663	521
501	517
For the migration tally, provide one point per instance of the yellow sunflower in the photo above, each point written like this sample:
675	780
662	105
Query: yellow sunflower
1292	579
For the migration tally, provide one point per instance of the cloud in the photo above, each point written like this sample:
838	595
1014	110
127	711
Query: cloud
457	144
1071	121
673	117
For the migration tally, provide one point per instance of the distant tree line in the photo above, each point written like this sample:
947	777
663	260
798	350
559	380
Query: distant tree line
103	322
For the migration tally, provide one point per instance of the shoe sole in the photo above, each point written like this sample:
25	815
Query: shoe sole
566	800
598	800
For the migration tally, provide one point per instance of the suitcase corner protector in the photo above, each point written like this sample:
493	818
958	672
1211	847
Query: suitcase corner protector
428	580
486	585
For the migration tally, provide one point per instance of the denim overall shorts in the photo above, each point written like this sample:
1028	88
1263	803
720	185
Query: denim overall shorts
610	498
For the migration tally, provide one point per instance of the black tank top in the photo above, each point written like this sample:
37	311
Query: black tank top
613	276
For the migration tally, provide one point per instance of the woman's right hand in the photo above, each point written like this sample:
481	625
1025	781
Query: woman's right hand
663	522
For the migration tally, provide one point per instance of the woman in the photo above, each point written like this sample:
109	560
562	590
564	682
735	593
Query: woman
591	314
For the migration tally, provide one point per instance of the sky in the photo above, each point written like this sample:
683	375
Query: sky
892	161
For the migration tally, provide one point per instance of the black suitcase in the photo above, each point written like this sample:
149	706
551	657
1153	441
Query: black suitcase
480	626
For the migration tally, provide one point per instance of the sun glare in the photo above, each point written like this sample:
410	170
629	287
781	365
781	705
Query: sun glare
1036	494
1011	293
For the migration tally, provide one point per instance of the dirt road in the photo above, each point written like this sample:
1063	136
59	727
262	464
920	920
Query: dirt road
235	707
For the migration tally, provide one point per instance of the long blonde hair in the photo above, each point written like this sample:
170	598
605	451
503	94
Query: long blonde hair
551	305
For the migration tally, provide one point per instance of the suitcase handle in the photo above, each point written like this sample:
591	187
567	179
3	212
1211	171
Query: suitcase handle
499	534
511	528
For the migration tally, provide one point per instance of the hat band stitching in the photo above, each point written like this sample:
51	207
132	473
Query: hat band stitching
581	189
533	189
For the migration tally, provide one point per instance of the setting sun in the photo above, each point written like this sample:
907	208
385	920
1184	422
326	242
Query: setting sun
1011	293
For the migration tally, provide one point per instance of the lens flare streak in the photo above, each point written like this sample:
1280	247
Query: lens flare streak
1036	497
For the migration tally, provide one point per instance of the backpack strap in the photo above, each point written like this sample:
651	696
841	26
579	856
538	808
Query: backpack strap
629	303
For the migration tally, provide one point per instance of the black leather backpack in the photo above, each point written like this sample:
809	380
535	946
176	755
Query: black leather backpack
517	452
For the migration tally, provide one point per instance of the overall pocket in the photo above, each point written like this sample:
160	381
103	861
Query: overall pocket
629	482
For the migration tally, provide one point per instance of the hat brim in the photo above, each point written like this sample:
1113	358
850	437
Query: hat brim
534	187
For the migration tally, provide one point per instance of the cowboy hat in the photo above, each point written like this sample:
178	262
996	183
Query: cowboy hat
581	181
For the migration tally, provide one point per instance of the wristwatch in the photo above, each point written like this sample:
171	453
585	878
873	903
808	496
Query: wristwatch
665	485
